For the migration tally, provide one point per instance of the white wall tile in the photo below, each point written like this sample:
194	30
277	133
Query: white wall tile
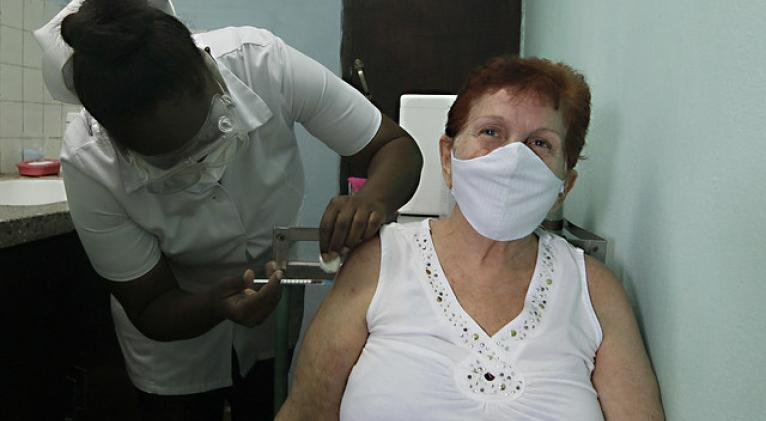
10	45
32	52
47	98
52	148
10	154
52	124
33	119
71	108
11	13
33	85
50	10
10	82
35	143
11	119
33	14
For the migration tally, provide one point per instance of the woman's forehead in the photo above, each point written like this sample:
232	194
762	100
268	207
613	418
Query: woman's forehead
513	104
510	96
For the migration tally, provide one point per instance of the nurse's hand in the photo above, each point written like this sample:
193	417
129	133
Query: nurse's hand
348	221
239	302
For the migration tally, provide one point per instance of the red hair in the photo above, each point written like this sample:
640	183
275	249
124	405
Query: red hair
558	83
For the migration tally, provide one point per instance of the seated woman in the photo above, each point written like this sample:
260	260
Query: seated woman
481	315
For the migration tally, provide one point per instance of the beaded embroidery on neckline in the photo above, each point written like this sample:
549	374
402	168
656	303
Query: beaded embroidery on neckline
487	371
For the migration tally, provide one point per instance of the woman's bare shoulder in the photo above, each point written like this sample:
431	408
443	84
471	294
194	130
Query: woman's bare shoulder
606	292
358	277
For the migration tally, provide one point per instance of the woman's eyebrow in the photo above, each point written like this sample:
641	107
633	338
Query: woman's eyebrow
489	119
546	129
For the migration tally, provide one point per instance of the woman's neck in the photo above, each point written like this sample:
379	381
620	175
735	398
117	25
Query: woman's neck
454	235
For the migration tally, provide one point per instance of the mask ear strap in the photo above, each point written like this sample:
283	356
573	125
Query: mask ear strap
224	91
209	57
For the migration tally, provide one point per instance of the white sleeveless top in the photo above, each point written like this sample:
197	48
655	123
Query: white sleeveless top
427	359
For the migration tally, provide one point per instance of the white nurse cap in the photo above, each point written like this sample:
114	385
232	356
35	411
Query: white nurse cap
56	52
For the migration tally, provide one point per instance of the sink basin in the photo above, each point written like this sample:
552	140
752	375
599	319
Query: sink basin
31	192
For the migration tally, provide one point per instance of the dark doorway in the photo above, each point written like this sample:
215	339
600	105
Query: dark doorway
422	46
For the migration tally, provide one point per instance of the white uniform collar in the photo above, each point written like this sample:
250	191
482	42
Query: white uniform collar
56	52
249	105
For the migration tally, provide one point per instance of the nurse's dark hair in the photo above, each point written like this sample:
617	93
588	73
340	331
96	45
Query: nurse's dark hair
129	56
557	83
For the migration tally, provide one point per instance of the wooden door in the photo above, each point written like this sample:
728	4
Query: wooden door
422	46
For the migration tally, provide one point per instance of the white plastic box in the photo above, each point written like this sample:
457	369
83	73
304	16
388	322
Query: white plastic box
424	117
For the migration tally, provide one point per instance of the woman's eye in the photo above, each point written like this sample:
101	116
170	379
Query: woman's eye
539	143
489	132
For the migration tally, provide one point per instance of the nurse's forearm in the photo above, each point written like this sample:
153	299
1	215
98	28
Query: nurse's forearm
176	315
394	173
162	311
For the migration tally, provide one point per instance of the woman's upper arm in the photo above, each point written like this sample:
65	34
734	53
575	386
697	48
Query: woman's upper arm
623	376
334	339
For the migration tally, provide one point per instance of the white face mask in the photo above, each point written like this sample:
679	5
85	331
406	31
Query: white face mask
505	194
203	159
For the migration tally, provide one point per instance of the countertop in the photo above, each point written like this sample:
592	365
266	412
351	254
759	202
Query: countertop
22	224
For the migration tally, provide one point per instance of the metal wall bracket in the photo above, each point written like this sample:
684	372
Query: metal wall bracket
589	242
283	239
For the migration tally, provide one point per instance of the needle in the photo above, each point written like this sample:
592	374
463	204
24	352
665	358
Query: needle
293	281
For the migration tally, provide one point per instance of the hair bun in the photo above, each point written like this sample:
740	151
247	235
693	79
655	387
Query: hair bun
109	29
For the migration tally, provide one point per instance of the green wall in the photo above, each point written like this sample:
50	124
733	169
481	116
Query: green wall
676	181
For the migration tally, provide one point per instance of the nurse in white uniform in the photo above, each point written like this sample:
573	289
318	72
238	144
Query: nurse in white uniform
181	163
